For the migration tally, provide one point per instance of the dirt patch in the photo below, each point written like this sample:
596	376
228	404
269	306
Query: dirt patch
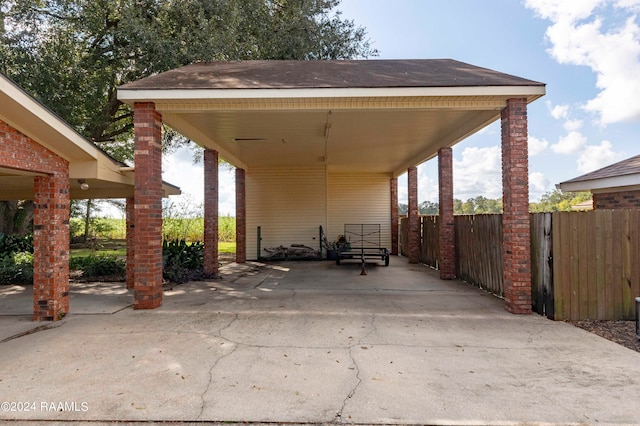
620	332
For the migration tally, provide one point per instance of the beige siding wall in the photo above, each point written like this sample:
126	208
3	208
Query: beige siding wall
288	204
361	198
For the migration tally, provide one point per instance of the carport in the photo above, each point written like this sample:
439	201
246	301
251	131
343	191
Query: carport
43	159
322	143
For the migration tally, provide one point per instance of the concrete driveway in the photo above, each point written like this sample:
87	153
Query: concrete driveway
311	342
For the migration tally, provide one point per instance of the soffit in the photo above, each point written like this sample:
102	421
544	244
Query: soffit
383	116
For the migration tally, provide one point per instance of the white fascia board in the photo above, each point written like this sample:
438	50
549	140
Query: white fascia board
23	110
613	183
129	96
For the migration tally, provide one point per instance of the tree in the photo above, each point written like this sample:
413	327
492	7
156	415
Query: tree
557	200
73	54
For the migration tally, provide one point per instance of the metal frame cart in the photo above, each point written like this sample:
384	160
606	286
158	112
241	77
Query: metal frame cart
362	241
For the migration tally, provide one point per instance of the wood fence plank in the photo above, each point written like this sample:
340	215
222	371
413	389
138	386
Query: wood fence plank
537	293
574	288
589	264
627	306
635	258
618	262
600	295
548	279
609	257
581	240
561	266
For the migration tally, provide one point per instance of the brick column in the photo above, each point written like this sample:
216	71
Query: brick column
211	213
414	219
51	247
515	219
447	240
394	215
130	233
148	206
241	217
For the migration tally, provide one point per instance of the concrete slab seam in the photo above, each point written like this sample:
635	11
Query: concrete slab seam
48	326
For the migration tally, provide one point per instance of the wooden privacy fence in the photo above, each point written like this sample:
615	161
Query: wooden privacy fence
584	265
479	251
596	264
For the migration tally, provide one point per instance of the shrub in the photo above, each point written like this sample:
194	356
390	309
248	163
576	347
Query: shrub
182	262
99	265
16	268
10	244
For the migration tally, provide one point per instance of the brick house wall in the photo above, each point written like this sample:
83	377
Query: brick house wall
617	200
515	219
51	219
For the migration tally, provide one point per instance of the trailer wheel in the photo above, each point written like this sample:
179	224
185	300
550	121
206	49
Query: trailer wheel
338	260
386	260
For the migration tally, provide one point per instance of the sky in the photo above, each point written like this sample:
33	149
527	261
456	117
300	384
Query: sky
587	52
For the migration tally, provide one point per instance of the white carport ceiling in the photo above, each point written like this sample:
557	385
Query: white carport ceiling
357	116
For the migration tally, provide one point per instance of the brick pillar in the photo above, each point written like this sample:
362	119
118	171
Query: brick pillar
394	215
414	219
211	213
129	214
148	206
51	247
447	240
241	217
515	199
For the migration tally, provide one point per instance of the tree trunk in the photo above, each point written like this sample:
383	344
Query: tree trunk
87	218
16	217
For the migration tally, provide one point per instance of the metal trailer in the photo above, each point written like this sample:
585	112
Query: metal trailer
361	241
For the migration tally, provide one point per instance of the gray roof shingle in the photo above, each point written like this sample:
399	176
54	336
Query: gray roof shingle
630	166
328	74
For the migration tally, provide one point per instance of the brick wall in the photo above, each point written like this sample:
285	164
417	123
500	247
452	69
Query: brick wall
51	220
131	247
241	217
414	219
447	240
515	220
148	206
211	213
617	200
394	215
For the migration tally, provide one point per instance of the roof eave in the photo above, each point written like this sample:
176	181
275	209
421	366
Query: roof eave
613	183
130	96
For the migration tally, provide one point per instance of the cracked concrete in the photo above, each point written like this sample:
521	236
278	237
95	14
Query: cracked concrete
312	342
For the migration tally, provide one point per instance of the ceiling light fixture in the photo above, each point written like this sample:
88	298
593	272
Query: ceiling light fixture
83	184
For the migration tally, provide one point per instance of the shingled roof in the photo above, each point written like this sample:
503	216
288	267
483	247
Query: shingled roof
622	173
629	166
328	74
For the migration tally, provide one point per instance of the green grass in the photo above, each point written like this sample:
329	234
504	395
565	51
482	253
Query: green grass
80	252
121	250
225	247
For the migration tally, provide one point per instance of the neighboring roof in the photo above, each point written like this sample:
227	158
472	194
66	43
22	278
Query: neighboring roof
362	116
621	176
107	177
328	74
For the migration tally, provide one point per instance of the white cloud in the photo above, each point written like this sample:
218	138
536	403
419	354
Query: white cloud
595	157
478	173
572	125
611	49
558	112
427	186
562	9
538	185
572	143
537	146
